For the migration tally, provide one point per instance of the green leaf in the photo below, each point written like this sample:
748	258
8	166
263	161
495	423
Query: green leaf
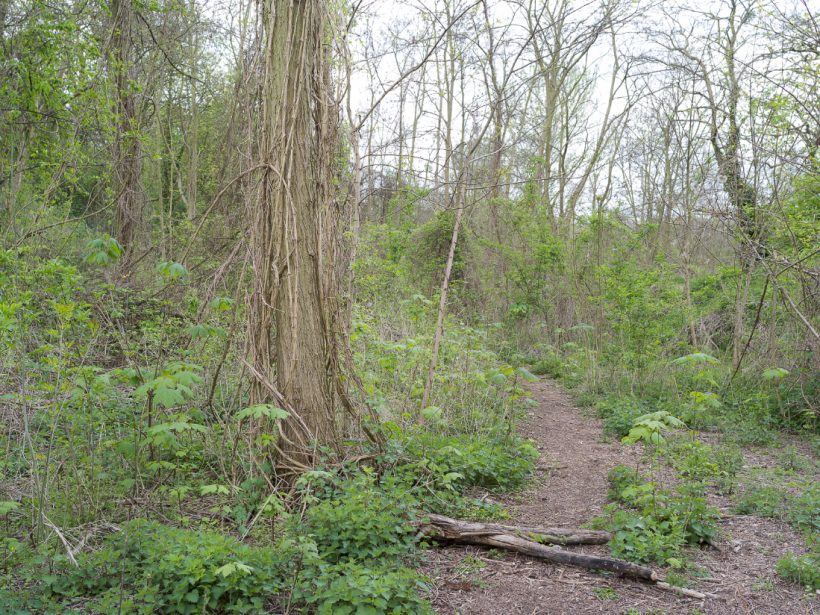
7	506
432	413
695	358
201	330
103	251
214	490
498	378
260	411
526	374
221	304
775	373
172	271
232	568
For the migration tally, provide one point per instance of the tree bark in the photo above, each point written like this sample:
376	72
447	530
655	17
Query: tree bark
454	529
127	146
293	234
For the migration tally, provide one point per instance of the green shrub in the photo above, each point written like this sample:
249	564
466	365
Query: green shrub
495	463
642	538
801	569
352	589
692	459
163	569
803	511
791	460
550	365
729	459
763	501
361	522
619	414
620	478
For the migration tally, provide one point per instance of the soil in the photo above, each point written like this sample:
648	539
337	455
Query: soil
569	489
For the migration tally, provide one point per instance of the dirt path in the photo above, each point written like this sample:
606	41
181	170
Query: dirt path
570	489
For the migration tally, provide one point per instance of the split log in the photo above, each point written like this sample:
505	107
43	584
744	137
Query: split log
446	529
530	541
455	529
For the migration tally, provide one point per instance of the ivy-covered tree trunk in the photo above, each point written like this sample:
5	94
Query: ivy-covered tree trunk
126	147
293	236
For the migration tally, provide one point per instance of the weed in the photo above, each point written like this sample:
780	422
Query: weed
791	460
605	593
801	569
762	501
763	584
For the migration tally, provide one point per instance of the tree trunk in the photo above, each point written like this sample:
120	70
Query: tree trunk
127	147
445	287
293	233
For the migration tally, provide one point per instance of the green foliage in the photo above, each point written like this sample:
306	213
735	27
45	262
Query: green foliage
171	271
172	386
495	463
659	522
642	538
362	522
764	501
804	510
353	589
620	414
696	358
642	307
649	428
703	409
162	569
774	374
549	364
801	569
260	411
103	251
431	245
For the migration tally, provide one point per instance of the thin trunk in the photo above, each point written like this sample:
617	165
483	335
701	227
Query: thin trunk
127	146
193	127
445	287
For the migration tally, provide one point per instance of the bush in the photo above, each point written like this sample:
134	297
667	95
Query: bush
495	463
642	538
804	510
801	569
619	414
550	365
620	477
762	501
169	570
352	589
361	522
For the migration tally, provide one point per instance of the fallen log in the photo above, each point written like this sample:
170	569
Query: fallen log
455	529
530	541
441	528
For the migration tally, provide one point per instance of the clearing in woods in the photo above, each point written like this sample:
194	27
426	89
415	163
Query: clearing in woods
569	489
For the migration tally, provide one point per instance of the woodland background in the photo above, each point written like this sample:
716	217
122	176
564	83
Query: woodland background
274	276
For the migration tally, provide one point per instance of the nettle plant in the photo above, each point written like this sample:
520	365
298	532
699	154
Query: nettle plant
667	518
700	377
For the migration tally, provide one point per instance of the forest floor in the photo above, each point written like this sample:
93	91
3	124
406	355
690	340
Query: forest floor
569	489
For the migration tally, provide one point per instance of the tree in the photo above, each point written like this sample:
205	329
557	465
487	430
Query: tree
293	232
127	146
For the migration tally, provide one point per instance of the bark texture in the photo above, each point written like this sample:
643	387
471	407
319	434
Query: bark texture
454	530
127	147
293	232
